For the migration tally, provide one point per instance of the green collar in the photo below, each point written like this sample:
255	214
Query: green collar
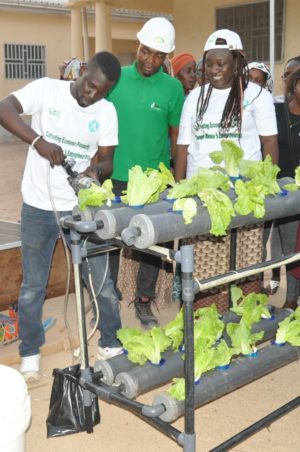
152	79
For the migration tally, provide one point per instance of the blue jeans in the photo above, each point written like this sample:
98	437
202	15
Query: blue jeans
39	233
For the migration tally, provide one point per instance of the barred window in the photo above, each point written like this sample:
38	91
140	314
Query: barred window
251	22
24	61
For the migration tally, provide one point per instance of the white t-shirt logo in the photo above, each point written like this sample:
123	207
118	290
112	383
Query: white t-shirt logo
93	126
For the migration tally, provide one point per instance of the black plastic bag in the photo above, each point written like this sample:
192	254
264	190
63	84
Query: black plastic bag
66	411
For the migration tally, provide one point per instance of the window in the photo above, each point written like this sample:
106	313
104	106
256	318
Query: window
251	22
24	61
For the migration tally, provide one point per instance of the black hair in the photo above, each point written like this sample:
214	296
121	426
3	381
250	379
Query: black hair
108	63
232	113
296	58
292	82
265	76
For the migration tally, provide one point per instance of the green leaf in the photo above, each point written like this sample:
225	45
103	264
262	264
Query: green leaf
252	307
188	207
205	178
242	340
141	186
177	390
231	155
174	330
289	329
220	210
96	195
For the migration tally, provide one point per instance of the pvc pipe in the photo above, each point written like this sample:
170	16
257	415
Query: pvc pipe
115	220
117	217
89	212
140	379
110	368
160	228
217	383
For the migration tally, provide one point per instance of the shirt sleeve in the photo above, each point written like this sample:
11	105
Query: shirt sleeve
109	132
176	105
188	112
264	114
32	96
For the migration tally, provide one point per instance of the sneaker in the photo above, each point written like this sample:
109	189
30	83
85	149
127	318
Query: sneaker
290	304
272	287
144	313
30	367
107	352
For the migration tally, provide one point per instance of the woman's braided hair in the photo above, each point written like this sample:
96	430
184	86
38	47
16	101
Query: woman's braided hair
232	113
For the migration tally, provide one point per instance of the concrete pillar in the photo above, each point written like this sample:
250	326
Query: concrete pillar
103	40
76	33
85	35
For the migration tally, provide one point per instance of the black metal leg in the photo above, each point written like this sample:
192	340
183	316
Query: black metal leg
188	296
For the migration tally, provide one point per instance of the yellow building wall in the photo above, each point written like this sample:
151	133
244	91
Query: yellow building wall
53	31
20	28
194	21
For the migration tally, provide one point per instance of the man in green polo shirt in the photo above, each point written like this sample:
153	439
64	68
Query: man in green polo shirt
148	103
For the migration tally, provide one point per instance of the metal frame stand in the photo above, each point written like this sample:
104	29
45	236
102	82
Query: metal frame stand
148	413
151	413
257	426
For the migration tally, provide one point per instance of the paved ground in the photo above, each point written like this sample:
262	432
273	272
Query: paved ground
120	429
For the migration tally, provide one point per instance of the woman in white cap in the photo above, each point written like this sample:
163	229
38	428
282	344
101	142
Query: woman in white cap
228	106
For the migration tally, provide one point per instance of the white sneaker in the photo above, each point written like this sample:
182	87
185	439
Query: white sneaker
107	353
30	367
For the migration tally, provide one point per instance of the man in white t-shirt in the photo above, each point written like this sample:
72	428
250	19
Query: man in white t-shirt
68	119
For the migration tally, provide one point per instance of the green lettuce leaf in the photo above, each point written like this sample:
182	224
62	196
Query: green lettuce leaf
203	360
177	390
296	185
262	173
289	329
222	354
250	198
174	330
143	347
141	187
188	207
231	154
205	178
208	327
96	195
220	210
242	340
252	307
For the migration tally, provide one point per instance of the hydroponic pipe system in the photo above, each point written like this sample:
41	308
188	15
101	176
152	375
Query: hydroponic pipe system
135	379
241	371
175	228
146	230
117	217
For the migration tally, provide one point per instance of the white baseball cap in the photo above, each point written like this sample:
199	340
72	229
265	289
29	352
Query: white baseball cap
158	34
232	41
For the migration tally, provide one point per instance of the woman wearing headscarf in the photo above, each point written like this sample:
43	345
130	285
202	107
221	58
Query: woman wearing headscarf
228	106
71	69
184	68
260	73
199	79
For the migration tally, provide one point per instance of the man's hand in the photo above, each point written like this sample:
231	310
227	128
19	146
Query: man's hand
50	151
93	171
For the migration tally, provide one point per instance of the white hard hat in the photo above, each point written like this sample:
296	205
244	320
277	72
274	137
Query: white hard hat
229	40
158	34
